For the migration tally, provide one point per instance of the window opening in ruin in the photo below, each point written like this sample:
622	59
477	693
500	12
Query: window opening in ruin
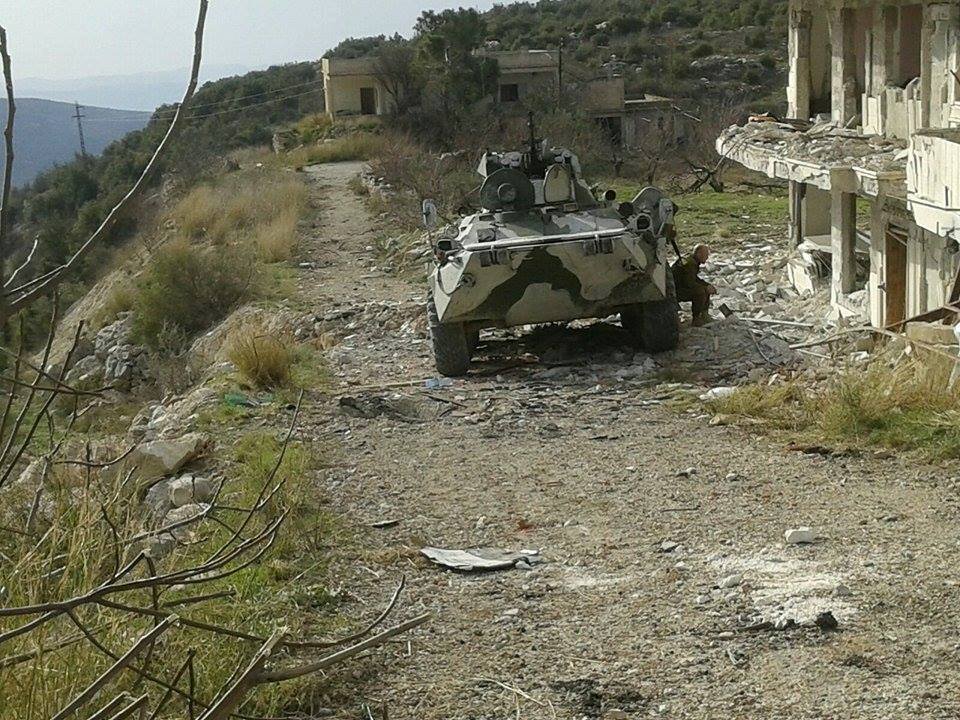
909	44
613	128
509	92
821	95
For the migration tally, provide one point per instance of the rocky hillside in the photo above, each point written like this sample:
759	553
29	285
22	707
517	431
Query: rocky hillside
62	206
686	49
676	48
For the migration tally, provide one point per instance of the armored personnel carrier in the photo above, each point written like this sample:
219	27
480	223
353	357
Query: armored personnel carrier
543	249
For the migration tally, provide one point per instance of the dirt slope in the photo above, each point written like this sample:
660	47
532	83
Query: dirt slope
590	468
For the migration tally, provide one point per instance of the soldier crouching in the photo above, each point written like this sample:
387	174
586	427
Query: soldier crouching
691	287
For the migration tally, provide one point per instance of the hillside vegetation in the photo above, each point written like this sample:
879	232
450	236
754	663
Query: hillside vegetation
64	205
676	48
47	134
685	49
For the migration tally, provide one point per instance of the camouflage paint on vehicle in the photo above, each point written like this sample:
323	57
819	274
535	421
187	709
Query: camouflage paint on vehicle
591	266
544	249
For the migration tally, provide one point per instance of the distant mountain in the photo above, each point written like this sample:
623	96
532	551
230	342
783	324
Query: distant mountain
142	91
45	133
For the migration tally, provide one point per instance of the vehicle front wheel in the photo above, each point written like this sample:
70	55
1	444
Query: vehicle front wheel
451	346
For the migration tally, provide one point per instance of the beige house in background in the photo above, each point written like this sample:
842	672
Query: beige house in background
352	90
872	154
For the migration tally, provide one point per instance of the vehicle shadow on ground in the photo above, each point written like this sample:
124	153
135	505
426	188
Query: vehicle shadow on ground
555	345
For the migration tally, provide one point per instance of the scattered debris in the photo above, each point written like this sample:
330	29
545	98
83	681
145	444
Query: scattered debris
384	524
737	657
826	621
730	581
480	559
718	393
800	536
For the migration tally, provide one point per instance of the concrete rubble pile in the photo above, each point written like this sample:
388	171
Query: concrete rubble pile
823	143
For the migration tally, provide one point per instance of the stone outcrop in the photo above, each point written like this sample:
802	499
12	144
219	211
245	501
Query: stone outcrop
162	458
177	492
112	358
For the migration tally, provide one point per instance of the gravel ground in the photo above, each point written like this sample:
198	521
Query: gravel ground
640	512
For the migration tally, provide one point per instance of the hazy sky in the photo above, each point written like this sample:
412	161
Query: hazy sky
61	39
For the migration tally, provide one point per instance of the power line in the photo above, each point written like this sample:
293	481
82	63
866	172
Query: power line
214	114
171	112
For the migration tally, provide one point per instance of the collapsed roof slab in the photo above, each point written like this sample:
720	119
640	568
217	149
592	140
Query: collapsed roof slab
820	155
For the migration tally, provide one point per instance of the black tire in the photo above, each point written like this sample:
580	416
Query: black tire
473	340
655	325
661	326
451	348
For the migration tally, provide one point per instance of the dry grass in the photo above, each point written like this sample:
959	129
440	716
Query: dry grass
264	358
73	548
359	146
241	207
121	298
277	239
907	407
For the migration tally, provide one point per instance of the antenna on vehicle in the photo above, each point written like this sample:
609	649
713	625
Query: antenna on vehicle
534	150
535	164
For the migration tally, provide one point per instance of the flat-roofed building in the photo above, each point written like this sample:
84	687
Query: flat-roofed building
874	111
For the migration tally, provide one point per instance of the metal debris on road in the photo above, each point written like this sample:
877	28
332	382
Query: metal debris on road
480	559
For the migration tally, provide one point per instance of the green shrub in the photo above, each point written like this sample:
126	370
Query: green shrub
314	128
757	39
702	50
190	289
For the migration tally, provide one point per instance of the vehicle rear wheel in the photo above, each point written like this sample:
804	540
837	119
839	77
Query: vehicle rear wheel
473	340
451	348
660	330
655	325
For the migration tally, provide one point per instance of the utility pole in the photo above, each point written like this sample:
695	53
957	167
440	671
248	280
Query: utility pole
560	71
79	118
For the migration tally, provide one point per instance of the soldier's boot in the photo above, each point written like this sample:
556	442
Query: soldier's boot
701	309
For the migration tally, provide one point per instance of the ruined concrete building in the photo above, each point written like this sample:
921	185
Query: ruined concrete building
526	77
872	154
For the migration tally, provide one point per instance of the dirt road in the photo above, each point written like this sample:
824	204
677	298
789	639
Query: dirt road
585	462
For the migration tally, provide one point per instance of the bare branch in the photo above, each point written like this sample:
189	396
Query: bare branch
176	680
338	657
8	142
105	711
231	699
33	289
139	703
114	669
24	264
